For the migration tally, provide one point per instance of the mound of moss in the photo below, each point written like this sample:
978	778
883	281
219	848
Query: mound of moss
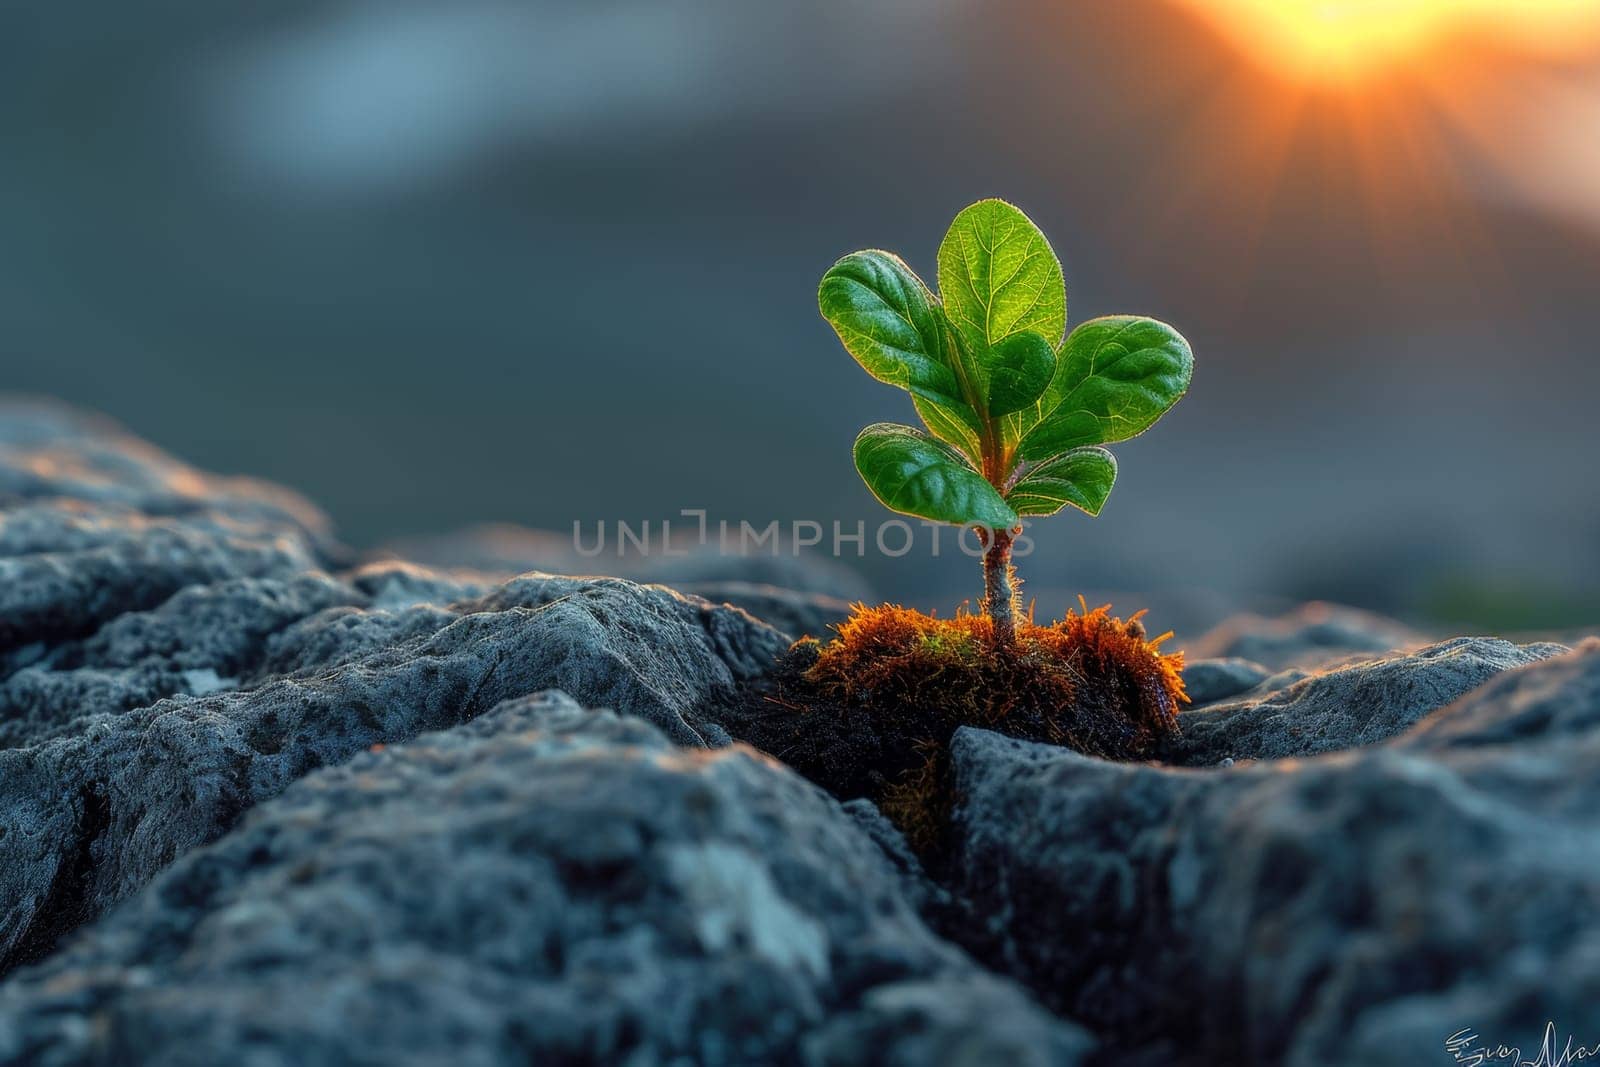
869	713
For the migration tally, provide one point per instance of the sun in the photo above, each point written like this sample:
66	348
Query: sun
1347	42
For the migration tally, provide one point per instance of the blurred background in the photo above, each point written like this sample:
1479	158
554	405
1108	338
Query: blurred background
437	264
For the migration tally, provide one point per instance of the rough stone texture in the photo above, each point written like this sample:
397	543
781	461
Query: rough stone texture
929	897
101	567
91	813
1312	635
543	884
395	584
1358	907
1210	680
97	524
1540	708
1349	706
175	648
194	678
205	638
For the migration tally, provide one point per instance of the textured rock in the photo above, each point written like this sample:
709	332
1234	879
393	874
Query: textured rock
175	648
930	898
98	530
117	563
543	884
1210	680
394	585
1349	706
1358	907
1530	709
203	639
1312	635
89	815
97	524
197	688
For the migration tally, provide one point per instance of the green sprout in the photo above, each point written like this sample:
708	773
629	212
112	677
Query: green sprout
1015	414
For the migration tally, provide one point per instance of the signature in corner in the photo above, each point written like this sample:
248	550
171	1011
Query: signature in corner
1470	1050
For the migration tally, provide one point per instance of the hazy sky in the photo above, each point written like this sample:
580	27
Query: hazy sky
555	261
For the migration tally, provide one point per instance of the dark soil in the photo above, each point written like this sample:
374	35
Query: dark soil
869	713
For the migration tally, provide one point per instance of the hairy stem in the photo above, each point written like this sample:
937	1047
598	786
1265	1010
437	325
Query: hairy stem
1000	587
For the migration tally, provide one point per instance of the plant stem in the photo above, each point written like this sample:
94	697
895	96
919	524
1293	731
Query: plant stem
1000	587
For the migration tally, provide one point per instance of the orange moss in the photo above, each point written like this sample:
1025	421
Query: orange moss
870	712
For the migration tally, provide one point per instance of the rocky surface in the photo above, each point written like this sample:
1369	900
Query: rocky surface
1345	706
96	804
543	884
1309	636
1210	680
261	802
171	679
1359	907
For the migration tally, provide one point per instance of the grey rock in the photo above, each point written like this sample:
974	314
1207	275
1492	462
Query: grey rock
178	651
343	635
203	639
96	525
946	1022
203	680
1210	680
1357	907
222	626
196	696
126	563
928	896
1527	709
1312	635
37	704
173	650
542	884
1284	679
1350	706
88	816
395	584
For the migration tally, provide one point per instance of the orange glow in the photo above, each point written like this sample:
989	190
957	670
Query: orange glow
1341	42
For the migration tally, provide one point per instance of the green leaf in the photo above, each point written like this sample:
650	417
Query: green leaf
998	276
890	323
954	424
1082	478
912	473
1020	371
1114	378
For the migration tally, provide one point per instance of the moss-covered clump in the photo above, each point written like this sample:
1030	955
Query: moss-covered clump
870	712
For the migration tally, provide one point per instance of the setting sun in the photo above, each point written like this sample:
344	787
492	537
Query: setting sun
1343	41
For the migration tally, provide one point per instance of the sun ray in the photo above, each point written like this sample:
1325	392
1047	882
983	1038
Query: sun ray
1346	42
1378	130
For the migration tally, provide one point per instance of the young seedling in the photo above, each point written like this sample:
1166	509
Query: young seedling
1016	416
